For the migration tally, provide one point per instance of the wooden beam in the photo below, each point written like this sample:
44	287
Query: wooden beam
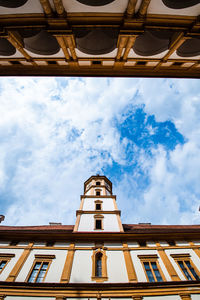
59	8
63	45
47	7
143	8
131	8
122	40
15	39
69	39
176	42
129	45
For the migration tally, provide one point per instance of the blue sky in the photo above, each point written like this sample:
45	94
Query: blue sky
143	134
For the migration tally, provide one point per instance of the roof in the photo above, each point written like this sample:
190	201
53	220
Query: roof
131	232
152	38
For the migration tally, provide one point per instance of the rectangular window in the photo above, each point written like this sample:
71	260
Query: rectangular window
98	206
188	270
2	264
186	265
38	272
98	224
152	269
98	193
4	260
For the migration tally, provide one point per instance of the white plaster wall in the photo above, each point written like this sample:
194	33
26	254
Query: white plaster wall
138	265
113	245
84	245
4	274
196	242
39	244
193	255
133	244
195	297
4	243
56	267
82	266
171	297
107	203
182	243
110	223
116	267
151	244
60	244
164	243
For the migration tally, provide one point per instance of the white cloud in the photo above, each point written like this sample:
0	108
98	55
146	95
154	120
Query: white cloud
50	147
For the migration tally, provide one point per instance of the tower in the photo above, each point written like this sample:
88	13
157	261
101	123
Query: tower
98	210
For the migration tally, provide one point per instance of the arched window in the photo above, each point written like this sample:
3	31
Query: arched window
98	266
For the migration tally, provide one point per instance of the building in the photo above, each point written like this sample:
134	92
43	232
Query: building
99	257
151	38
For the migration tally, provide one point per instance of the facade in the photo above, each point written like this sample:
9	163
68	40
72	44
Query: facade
152	38
99	257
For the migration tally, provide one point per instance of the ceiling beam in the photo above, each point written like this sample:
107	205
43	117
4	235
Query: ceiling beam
130	11
15	39
143	8
59	8
47	7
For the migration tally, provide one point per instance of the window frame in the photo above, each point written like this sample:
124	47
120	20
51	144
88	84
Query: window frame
99	218
104	276
155	259
39	258
186	257
98	202
5	257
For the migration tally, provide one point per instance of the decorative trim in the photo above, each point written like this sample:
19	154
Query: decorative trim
44	256
19	264
6	255
104	276
129	264
65	277
174	276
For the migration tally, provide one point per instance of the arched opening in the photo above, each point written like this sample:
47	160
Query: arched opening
98	266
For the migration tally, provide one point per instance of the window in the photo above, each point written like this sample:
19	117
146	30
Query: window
98	193
99	267
98	183
185	264
151	267
2	264
98	222
152	271
40	267
4	260
98	204
38	272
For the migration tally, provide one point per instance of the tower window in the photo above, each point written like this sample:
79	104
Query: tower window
98	267
98	206
98	193
98	224
98	183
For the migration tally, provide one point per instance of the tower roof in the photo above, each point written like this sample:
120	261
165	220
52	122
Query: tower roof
96	177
